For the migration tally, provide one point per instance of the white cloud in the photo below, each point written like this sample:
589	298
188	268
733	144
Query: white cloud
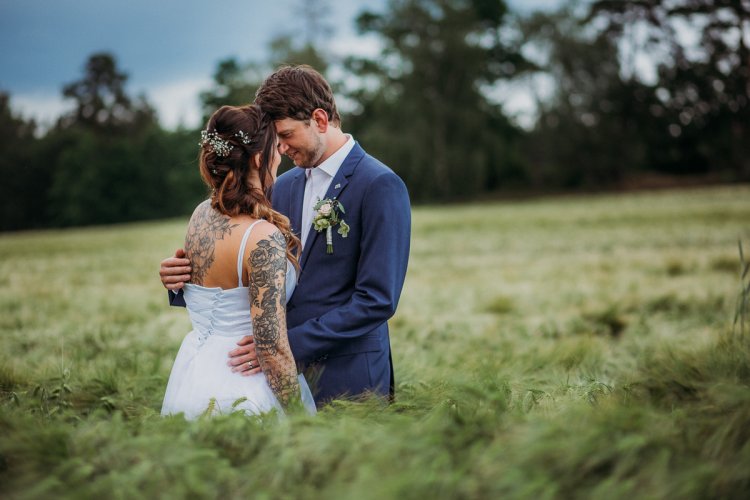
532	5
519	97
355	45
177	102
44	108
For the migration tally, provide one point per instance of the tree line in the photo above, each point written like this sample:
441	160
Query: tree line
427	106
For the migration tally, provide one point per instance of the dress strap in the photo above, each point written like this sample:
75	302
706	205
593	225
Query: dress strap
242	251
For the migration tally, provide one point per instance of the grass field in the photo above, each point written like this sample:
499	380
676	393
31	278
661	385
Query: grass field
568	347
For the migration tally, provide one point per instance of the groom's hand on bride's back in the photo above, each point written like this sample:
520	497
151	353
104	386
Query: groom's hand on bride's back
244	359
175	271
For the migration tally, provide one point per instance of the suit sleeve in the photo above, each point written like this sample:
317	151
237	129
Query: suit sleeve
384	254
176	299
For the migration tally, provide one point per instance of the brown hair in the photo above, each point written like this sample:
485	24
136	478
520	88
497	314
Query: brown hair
227	174
295	92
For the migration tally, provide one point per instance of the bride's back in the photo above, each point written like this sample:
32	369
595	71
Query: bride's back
212	243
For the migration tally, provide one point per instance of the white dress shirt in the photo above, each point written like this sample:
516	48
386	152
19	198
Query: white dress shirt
318	181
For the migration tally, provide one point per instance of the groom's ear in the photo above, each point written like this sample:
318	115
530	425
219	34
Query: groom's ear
320	118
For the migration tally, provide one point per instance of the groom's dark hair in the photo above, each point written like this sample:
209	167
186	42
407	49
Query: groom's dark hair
295	92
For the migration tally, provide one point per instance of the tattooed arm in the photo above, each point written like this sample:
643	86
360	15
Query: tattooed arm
267	271
205	228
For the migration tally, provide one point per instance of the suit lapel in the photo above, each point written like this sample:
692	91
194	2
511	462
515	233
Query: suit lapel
296	196
338	184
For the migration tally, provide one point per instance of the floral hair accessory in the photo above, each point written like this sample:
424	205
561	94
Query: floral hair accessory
215	143
328	216
243	137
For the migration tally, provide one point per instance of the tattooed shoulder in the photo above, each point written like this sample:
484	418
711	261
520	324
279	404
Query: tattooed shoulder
206	227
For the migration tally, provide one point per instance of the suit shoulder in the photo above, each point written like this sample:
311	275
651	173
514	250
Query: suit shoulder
286	178
373	169
377	181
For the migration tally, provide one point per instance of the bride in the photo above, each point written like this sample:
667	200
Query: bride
243	260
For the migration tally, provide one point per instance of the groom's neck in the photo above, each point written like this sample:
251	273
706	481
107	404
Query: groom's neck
335	139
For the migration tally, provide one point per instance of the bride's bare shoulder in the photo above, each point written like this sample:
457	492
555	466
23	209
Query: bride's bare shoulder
206	227
205	218
201	210
265	241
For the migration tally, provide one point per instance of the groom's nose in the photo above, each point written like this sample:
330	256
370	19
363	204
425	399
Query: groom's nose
283	147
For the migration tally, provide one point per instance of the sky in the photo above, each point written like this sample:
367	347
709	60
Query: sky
169	48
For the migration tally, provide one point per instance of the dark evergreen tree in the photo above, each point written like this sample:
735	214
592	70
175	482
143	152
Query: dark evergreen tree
703	88
422	108
25	180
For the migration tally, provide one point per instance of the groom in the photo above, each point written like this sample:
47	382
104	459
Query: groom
337	316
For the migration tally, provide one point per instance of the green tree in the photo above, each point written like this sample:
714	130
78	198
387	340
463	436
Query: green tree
110	160
594	129
316	30
290	48
703	87
122	178
285	51
422	108
101	101
235	84
25	181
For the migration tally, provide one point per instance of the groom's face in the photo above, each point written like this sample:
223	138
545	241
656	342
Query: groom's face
301	141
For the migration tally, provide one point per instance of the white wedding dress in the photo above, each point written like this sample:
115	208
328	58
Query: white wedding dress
201	382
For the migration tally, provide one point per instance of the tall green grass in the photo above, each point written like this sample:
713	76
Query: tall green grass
569	347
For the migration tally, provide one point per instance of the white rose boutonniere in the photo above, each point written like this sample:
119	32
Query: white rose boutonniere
329	212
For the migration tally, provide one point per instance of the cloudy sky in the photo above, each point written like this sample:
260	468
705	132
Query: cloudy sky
169	48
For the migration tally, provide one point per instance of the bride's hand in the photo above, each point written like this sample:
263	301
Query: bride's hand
244	360
175	271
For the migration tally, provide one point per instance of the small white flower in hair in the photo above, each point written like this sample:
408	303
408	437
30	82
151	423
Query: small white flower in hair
243	137
214	143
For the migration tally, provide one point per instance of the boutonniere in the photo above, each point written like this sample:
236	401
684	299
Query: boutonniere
328	216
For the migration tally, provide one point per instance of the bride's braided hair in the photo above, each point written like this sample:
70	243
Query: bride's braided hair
233	136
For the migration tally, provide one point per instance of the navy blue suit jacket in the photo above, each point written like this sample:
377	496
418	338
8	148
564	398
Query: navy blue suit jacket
337	316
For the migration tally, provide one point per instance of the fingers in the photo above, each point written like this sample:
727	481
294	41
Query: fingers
242	351
179	253
171	280
239	363
251	372
245	365
174	272
174	266
174	282
174	278
244	360
248	368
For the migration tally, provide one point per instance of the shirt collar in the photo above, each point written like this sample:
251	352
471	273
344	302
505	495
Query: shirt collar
332	164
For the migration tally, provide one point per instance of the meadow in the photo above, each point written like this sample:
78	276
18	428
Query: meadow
569	347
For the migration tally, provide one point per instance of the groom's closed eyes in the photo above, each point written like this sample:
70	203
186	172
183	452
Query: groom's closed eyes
286	133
